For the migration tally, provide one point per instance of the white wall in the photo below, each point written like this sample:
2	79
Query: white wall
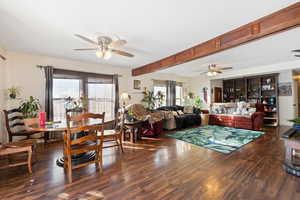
21	71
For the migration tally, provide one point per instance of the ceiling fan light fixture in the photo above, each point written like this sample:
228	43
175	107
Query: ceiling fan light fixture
107	55
214	73
99	54
209	74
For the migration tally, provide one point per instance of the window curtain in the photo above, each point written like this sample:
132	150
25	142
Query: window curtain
116	87
49	92
171	93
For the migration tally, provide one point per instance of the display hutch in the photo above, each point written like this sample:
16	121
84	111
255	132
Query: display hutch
257	89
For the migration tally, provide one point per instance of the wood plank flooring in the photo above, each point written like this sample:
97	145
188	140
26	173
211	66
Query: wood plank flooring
162	168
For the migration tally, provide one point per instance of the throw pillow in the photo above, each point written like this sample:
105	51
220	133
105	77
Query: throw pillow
180	112
175	114
188	109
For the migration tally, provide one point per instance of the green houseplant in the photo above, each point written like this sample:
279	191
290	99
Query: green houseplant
198	103
149	99
30	107
13	92
296	122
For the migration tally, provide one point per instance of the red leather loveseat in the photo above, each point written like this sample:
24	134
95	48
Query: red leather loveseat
252	122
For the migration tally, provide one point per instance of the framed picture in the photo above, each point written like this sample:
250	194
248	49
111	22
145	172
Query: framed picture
137	84
285	89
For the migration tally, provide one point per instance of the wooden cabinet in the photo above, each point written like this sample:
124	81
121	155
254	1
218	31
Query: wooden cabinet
257	89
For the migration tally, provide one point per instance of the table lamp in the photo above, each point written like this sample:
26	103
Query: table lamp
125	97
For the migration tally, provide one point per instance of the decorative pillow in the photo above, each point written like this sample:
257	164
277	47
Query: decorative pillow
188	109
180	112
251	110
174	113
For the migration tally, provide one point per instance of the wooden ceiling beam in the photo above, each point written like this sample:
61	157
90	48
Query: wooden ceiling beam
281	20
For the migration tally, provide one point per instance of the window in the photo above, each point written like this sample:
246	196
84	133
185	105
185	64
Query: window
63	88
99	91
163	90
179	95
101	99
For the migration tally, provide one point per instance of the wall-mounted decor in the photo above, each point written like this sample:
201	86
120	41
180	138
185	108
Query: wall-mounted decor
285	89
137	84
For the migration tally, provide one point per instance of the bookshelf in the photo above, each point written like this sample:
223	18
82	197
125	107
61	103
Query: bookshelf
256	89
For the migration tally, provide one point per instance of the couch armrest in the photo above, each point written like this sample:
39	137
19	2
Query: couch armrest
257	120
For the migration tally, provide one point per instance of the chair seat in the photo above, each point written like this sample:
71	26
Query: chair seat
111	132
27	132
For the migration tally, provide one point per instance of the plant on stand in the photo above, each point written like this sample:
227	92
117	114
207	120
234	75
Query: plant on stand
13	92
160	97
149	99
296	122
30	107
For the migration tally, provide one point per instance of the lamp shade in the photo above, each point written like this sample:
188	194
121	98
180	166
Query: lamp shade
125	96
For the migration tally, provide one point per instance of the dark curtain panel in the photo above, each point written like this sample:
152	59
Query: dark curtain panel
171	93
49	92
116	84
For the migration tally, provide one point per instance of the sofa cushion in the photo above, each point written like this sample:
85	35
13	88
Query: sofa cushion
188	109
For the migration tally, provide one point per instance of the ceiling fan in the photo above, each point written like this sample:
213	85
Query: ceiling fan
296	51
2	57
213	70
104	46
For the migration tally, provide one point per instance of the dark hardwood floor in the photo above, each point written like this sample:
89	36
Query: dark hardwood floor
162	168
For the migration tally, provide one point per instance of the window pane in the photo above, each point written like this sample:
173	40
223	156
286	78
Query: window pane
102	99
179	95
63	88
163	90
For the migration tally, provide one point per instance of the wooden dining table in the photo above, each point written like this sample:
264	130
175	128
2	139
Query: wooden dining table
62	127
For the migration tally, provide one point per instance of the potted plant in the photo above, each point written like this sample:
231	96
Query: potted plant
30	107
198	103
160	97
296	122
149	99
13	92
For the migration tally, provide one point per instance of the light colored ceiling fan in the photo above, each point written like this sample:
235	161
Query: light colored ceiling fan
296	51
213	70
2	57
104	46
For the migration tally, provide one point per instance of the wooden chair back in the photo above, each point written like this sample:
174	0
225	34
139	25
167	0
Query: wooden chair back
88	123
14	122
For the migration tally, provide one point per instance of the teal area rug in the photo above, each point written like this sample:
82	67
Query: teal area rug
218	138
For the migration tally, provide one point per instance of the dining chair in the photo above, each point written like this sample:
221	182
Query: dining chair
86	143
23	146
15	125
115	134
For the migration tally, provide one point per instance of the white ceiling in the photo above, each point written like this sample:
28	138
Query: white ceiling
154	29
267	51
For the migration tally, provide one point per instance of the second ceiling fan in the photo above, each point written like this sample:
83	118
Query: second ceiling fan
104	46
213	70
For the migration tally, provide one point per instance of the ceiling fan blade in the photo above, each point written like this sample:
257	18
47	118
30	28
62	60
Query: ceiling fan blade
204	72
86	49
123	53
296	50
225	68
86	39
2	57
117	43
297	55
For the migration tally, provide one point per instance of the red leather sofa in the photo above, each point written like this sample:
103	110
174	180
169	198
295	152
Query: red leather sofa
252	122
